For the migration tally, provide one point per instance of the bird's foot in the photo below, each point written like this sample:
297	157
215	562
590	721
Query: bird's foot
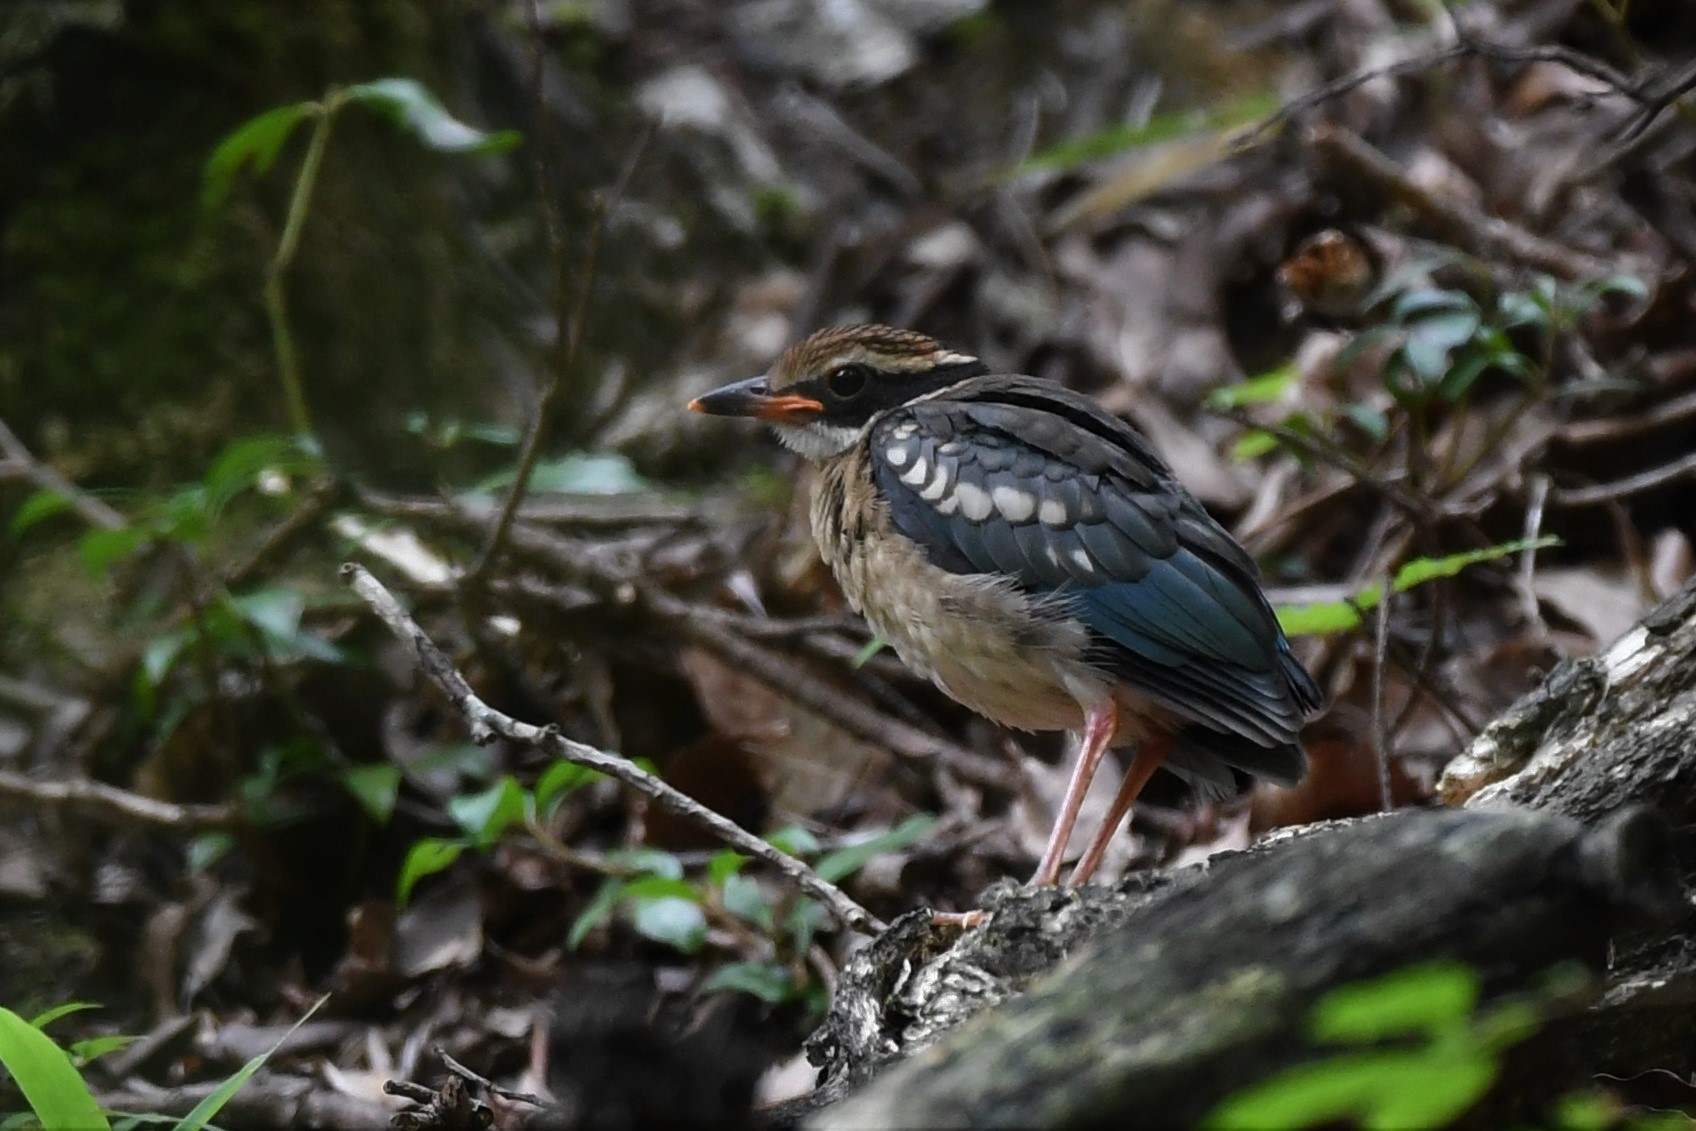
964	920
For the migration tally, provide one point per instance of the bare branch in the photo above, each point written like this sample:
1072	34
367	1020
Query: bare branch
1679	468
486	724
26	467
118	806
1360	159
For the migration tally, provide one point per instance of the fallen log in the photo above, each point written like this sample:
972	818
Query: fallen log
1158	1000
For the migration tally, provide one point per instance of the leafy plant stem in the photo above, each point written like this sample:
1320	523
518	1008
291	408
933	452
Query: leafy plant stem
288	244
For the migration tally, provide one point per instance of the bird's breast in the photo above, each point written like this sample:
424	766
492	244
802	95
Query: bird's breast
1017	659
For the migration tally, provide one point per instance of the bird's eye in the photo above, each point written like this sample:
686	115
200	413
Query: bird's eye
847	381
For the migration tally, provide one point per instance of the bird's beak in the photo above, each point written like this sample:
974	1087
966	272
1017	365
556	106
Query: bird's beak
754	397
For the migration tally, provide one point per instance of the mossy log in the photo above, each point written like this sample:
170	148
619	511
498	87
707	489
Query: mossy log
1157	1001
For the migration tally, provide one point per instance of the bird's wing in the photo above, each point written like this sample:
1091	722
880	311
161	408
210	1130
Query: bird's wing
1021	478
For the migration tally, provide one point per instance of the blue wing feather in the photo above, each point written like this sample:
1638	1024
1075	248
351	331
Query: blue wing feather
1174	601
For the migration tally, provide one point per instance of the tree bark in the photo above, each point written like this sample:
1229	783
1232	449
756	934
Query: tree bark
1182	988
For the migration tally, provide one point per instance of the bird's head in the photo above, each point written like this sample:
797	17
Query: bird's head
824	392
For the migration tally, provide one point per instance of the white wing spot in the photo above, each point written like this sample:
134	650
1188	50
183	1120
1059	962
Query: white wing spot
905	431
897	455
1015	505
918	473
974	501
937	487
1080	558
1052	513
952	447
948	504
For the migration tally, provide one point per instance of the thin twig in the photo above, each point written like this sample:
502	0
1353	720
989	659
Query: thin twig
1621	488
1380	733
1469	49
1528	557
486	1084
90	509
486	724
571	301
1320	448
1673	411
1481	233
117	806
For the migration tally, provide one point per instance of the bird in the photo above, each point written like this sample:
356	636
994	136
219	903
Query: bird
1031	554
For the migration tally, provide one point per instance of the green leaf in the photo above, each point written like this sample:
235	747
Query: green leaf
100	549
409	105
1422	301
486	814
240	464
1617	285
276	613
1264	389
1461	376
1586	1111
207	849
160	655
1421	570
560	781
1427	1091
376	787
677	922
46	1018
40	506
1316	620
1162	127
1516	308
850	859
257	140
598	910
651	861
794	841
1303	1096
744	898
1339	616
573	475
426	858
96	1047
805	918
1419	999
1253	444
46	1076
661	887
203	1111
869	649
1431	340
768	981
1368	419
724	865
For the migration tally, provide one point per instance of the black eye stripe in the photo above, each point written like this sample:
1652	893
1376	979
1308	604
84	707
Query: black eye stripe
882	389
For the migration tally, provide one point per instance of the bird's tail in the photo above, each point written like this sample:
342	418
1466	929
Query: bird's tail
1212	762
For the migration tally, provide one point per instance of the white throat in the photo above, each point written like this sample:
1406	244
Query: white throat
817	440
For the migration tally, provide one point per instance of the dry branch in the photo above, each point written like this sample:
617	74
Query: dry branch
119	806
1468	227
486	724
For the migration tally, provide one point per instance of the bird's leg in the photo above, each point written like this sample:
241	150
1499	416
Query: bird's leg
1101	723
1150	753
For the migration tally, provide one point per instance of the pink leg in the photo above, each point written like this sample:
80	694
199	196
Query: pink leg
1148	757
1101	723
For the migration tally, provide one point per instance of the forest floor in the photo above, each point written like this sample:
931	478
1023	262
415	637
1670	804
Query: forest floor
1402	292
